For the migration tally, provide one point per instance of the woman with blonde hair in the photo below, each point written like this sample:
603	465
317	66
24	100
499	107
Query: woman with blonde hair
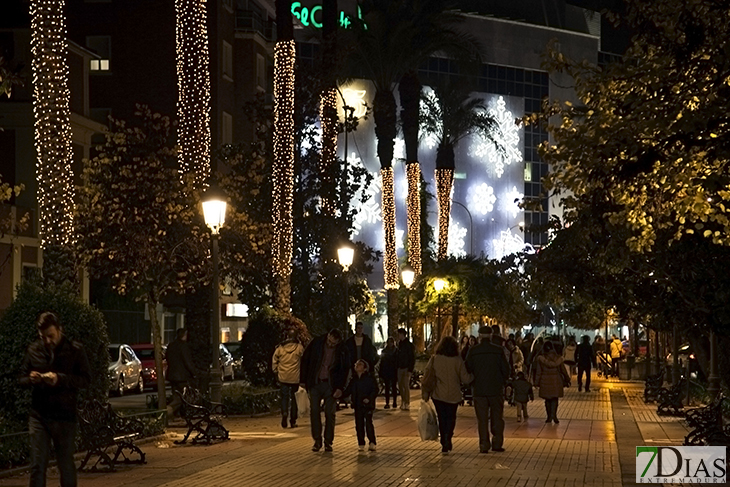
445	373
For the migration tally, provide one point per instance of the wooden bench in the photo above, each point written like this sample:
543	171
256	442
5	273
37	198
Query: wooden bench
103	429
202	417
652	385
670	400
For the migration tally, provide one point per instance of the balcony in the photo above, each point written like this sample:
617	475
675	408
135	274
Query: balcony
253	22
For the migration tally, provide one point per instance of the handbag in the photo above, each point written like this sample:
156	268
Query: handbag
564	375
428	383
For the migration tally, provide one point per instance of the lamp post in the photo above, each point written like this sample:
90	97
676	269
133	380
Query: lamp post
214	212
346	254
439	285
408	274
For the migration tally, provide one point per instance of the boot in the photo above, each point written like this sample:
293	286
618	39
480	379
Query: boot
283	421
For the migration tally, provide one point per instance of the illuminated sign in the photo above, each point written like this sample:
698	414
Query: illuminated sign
313	16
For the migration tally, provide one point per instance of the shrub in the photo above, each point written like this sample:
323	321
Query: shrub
266	329
80	321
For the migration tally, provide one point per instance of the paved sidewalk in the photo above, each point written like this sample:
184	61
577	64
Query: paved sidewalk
591	446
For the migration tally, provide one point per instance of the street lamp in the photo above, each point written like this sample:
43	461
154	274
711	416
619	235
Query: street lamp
439	285
471	227
408	274
346	254
214	213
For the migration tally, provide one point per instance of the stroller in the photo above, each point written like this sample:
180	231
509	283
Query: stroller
605	365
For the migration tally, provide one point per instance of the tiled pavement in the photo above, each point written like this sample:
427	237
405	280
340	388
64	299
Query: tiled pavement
584	449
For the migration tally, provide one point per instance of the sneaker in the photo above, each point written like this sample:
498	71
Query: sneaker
283	421
498	449
360	447
316	447
293	424
588	390
328	448
372	447
387	406
444	450
406	407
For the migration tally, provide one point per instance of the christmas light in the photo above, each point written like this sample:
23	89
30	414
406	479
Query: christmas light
444	183
51	96
481	198
283	170
390	260
510	202
508	137
193	82
413	174
328	120
457	239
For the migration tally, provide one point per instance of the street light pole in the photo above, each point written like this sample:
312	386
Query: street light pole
471	227
408	274
346	254
214	212
438	285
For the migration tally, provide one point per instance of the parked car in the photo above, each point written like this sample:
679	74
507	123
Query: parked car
226	359
146	354
237	353
125	369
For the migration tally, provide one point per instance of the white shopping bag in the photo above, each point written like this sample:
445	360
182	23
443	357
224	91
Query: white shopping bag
302	401
428	426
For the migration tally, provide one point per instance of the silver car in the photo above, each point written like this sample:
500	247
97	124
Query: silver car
125	370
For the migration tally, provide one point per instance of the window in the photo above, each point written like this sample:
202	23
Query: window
227	128
260	71
102	45
227	63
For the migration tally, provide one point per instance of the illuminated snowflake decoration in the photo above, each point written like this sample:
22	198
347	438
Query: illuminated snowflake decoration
507	136
508	243
457	239
508	203
367	212
481	198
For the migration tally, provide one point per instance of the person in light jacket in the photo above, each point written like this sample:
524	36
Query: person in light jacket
551	378
516	359
450	373
285	364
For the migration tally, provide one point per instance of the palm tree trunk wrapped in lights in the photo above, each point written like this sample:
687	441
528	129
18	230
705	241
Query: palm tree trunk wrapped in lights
444	183
409	89
413	205
51	111
193	80
283	170
328	107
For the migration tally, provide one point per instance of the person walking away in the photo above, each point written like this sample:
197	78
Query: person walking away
617	349
180	369
517	360
522	390
406	361
551	378
362	391
389	372
491	371
585	357
56	368
447	372
323	372
569	355
286	364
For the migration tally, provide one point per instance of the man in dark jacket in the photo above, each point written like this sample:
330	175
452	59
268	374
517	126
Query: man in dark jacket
180	369
360	346
585	357
56	368
487	363
323	372
406	360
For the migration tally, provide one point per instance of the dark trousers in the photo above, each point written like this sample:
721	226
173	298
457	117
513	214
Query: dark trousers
587	371
322	392
288	401
63	435
489	411
391	389
446	413
364	424
551	408
614	364
173	409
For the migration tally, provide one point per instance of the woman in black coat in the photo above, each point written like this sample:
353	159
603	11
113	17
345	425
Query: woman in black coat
389	372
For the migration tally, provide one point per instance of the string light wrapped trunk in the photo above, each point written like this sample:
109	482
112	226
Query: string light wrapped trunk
193	79
413	173
328	120
51	95
444	183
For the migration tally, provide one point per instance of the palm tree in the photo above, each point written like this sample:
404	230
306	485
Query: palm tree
395	37
449	114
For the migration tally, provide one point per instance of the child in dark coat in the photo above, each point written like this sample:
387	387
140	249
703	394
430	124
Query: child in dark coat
522	390
362	391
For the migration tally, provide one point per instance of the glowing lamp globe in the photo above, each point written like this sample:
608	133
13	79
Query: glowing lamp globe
345	254
408	275
214	208
439	285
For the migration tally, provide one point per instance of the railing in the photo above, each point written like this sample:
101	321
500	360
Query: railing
15	447
250	21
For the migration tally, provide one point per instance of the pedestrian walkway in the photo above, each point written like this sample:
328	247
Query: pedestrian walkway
594	445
